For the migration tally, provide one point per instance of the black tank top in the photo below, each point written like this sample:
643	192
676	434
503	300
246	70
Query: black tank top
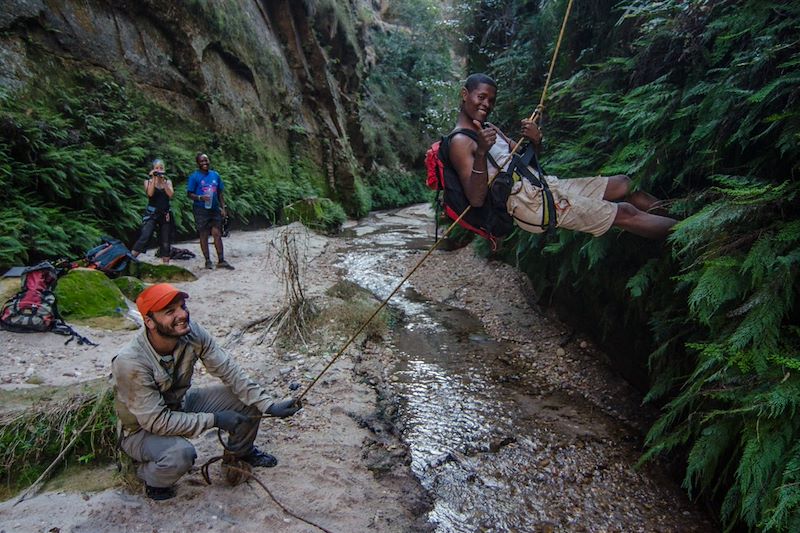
159	200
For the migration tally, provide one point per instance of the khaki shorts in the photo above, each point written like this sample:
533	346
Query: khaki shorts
579	205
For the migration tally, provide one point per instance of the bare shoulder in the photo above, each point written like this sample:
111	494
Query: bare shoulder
462	145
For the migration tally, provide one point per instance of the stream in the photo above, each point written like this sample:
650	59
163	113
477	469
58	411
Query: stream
495	450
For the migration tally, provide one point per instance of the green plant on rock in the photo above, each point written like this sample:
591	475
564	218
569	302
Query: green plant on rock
321	214
395	188
31	439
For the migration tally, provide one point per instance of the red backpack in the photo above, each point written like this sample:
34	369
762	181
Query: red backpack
33	308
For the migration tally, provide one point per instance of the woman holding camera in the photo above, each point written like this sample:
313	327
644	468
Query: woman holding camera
157	215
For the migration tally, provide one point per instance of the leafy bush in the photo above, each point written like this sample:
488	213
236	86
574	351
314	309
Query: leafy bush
72	163
321	214
395	188
699	102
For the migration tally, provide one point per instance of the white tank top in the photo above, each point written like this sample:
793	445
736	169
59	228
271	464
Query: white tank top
500	151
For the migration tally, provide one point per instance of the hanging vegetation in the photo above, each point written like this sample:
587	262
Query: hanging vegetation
697	101
72	168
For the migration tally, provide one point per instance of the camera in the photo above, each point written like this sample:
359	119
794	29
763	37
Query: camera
158	173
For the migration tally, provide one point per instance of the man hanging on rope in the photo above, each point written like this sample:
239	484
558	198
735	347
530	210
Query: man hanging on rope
157	406
476	148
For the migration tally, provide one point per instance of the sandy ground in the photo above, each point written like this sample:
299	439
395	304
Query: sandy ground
342	465
333	468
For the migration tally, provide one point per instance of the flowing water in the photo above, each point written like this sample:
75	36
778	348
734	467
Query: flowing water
496	451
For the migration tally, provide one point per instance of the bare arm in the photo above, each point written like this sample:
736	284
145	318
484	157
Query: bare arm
168	188
221	202
470	162
149	187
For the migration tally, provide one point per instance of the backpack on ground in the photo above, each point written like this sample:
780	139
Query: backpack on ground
492	220
33	308
111	257
178	253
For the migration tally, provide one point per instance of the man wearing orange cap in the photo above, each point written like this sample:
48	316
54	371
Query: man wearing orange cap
158	409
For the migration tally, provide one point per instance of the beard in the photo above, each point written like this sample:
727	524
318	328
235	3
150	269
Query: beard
174	328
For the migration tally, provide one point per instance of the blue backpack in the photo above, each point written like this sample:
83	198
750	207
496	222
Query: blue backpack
111	257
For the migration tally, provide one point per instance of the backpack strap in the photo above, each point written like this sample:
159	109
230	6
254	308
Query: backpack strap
524	162
62	328
444	147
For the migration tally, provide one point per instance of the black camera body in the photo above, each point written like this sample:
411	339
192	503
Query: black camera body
158	173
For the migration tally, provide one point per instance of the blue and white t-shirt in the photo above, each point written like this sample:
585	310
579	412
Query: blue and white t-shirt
202	184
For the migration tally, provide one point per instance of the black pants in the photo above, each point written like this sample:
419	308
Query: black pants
151	222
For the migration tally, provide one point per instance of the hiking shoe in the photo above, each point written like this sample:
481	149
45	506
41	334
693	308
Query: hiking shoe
224	264
159	493
209	264
258	458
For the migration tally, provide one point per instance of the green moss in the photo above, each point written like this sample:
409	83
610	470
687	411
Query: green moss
320	214
129	286
159	273
20	399
31	439
107	323
85	293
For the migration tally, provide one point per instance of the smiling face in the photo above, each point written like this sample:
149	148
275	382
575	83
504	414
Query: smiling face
479	102
203	162
171	322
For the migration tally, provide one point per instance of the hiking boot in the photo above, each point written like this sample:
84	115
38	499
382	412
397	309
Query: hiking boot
159	493
209	264
258	458
224	264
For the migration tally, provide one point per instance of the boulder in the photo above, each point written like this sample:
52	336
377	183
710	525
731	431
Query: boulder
130	286
86	293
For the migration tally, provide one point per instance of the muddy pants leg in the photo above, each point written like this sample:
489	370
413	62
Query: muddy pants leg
219	398
163	460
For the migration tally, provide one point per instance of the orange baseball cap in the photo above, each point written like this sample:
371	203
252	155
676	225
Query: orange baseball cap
157	297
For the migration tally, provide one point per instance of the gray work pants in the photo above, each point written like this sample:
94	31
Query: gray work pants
164	459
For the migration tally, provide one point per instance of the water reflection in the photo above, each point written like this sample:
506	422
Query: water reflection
496	451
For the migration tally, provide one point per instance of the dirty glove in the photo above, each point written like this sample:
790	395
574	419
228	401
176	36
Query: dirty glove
284	408
228	420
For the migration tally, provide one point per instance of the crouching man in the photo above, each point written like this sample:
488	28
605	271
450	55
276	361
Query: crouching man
157	406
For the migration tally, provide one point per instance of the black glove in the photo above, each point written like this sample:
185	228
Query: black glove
229	420
284	408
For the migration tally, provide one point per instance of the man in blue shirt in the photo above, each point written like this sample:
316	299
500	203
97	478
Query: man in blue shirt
205	187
